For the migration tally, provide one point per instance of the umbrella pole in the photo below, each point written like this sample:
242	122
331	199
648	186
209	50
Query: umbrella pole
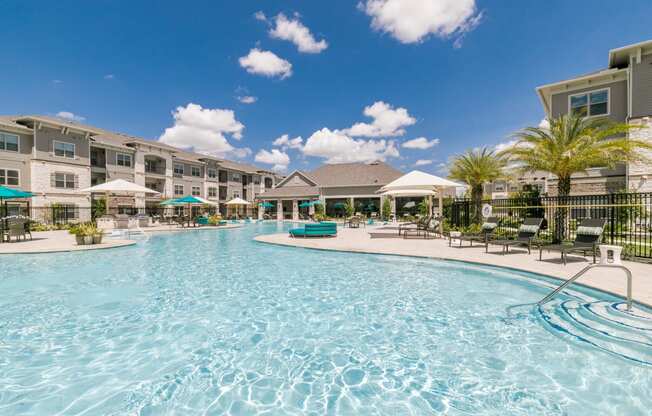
441	213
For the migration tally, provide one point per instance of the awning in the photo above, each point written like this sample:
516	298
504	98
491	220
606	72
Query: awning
419	180
11	193
409	192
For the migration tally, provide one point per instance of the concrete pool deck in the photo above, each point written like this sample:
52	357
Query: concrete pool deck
62	241
359	241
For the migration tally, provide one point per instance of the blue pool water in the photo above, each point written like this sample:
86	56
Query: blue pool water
211	322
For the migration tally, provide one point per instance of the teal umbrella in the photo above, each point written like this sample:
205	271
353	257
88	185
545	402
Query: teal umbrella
171	202
306	204
189	200
9	193
339	205
317	202
266	205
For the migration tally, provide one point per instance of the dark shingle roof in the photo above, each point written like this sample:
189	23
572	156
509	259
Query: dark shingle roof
355	174
290	192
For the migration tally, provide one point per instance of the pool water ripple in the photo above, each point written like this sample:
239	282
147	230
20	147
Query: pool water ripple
212	322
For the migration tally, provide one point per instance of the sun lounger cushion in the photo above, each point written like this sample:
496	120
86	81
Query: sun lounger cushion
322	229
589	230
488	226
528	228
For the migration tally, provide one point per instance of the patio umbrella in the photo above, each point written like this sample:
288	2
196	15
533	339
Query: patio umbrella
410	204
339	205
236	202
306	204
168	202
266	205
11	193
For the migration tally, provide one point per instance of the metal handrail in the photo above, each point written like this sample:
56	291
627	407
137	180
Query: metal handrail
582	272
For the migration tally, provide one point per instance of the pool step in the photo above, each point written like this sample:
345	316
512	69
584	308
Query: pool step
604	325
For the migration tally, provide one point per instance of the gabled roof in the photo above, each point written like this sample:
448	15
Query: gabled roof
355	174
619	57
8	122
301	173
290	192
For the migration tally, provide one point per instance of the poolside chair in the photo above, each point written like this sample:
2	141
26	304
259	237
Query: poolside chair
486	232
526	234
432	227
587	238
121	222
419	224
17	228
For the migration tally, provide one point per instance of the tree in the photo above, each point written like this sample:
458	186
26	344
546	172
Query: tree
571	145
475	168
386	210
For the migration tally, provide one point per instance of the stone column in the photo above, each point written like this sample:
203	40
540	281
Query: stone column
639	175
279	210
261	211
295	210
394	208
139	177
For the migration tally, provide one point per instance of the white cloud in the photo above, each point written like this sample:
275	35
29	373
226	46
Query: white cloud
67	115
423	162
259	15
420	143
411	21
109	76
387	121
544	124
294	31
57	81
266	63
275	157
204	130
286	143
338	147
247	99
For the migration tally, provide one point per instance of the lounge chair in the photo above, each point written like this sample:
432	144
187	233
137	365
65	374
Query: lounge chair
587	238
526	234
432	227
121	222
201	221
487	230
420	224
320	229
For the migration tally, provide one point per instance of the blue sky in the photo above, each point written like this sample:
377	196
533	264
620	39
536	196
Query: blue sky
464	74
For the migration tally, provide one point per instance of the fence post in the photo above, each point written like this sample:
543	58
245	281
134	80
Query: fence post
612	218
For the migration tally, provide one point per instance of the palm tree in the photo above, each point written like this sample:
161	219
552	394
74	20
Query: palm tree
475	168
572	144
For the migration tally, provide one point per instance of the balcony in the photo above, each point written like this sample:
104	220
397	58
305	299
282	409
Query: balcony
154	166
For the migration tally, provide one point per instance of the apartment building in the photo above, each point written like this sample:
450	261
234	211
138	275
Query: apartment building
622	92
55	159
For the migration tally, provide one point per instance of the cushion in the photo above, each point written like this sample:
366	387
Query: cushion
532	229
489	226
589	230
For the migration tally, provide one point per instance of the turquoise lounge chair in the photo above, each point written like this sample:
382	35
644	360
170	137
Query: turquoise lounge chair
201	221
322	229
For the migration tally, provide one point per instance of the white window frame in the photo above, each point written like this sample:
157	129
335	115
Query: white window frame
192	171
6	176
174	169
5	143
195	188
183	189
65	181
130	156
54	149
214	173
213	192
588	102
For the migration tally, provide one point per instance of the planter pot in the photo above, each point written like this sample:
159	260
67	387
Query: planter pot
97	239
88	239
80	240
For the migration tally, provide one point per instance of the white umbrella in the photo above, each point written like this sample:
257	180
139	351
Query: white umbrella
237	202
120	185
206	201
417	182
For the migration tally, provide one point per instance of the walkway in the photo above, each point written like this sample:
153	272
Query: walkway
358	240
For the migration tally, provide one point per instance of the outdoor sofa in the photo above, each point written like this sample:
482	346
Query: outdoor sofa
587	238
320	229
527	232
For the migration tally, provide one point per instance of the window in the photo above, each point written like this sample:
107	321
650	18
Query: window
212	173
178	189
123	159
269	183
63	149
245	180
195	171
235	177
196	191
64	212
65	180
178	169
9	177
223	192
223	176
236	194
8	142
590	104
212	192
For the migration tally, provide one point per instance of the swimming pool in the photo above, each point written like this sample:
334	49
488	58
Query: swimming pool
211	322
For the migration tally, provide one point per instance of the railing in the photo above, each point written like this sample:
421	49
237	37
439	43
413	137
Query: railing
628	217
582	272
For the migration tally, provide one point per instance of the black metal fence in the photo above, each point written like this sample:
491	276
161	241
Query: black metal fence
628	217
